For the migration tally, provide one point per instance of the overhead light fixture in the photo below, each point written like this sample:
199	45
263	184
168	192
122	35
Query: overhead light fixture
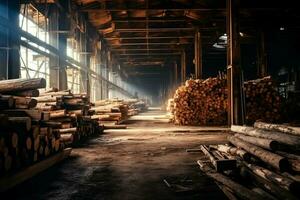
218	46
281	28
223	37
241	34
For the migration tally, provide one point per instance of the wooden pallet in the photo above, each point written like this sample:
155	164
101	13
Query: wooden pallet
11	181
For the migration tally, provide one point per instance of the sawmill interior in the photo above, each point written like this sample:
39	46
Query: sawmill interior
140	99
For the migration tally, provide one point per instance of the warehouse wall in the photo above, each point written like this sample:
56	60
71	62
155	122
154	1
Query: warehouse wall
85	71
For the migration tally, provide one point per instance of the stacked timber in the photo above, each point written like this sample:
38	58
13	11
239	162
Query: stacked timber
268	158
26	136
112	112
263	101
201	102
72	112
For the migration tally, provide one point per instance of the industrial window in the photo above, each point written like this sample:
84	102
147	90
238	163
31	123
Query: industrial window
33	64
73	75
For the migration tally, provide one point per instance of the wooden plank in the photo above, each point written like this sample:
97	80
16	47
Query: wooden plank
11	181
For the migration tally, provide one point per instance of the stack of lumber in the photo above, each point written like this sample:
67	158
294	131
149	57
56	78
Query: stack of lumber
170	109
263	101
114	111
201	102
26	136
268	162
70	115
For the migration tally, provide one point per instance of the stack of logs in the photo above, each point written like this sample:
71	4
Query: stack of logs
26	135
201	102
204	102
268	162
69	114
111	112
263	101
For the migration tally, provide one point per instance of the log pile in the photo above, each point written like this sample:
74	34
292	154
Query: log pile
268	158
201	102
263	101
70	113
111	112
26	136
204	102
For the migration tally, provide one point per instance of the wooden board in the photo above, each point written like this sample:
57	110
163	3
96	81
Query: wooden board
11	181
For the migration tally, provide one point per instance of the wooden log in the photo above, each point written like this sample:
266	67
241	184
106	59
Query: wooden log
282	181
52	124
32	113
219	164
57	114
25	102
278	127
66	138
58	93
22	84
20	122
239	190
6	102
11	181
66	130
115	126
76	112
277	136
261	142
294	160
46	99
272	159
274	189
263	193
25	93
234	151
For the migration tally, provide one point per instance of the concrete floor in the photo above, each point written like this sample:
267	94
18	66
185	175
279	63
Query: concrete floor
131	164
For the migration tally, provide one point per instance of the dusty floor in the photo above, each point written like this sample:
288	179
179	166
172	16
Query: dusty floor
131	164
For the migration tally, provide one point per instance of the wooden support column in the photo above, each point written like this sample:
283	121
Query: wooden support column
175	74
261	55
235	114
54	41
198	54
62	44
183	66
13	40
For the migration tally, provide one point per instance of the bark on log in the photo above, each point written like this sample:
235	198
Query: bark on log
22	84
239	190
278	136
274	189
282	181
278	127
234	151
261	142
25	93
294	160
272	159
25	102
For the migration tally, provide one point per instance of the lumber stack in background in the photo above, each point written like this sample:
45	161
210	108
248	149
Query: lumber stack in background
263	101
268	158
204	102
110	112
201	102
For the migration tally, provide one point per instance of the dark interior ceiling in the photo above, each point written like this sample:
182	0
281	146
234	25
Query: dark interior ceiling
143	33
